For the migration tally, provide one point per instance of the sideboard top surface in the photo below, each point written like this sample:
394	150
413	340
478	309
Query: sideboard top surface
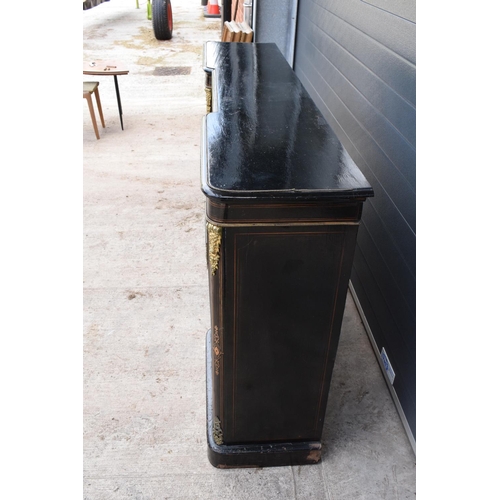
266	137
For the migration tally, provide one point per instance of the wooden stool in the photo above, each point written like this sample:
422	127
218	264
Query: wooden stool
90	88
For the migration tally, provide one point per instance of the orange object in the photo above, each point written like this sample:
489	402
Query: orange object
213	8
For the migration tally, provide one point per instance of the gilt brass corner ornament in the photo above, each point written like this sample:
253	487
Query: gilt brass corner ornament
214	241
217	432
208	95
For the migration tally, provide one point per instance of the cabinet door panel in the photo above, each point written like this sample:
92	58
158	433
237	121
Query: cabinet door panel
284	297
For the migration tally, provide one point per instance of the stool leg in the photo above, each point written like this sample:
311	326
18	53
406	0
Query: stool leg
98	100
87	96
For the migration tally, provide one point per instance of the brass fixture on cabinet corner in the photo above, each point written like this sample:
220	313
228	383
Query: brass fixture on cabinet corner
214	242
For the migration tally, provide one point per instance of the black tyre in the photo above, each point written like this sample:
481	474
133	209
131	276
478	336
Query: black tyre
162	19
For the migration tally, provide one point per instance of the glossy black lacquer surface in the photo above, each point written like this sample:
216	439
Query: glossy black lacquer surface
284	201
266	135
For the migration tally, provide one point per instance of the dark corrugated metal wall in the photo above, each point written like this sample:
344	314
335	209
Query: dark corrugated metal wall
357	60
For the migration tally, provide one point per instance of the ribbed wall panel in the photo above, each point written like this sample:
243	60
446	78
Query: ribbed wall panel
357	61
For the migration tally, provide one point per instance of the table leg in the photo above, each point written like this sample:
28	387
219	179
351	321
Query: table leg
118	98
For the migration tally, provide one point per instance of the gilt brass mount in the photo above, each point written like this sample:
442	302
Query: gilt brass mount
217	432
217	350
208	95
214	242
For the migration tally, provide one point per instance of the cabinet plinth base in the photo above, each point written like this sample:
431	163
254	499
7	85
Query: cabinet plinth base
253	455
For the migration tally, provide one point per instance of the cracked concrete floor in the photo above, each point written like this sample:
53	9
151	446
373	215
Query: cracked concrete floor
146	306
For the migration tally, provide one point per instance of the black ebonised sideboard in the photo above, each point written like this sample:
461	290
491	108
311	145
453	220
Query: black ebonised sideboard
283	204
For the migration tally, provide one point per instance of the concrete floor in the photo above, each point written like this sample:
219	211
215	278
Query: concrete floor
146	307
